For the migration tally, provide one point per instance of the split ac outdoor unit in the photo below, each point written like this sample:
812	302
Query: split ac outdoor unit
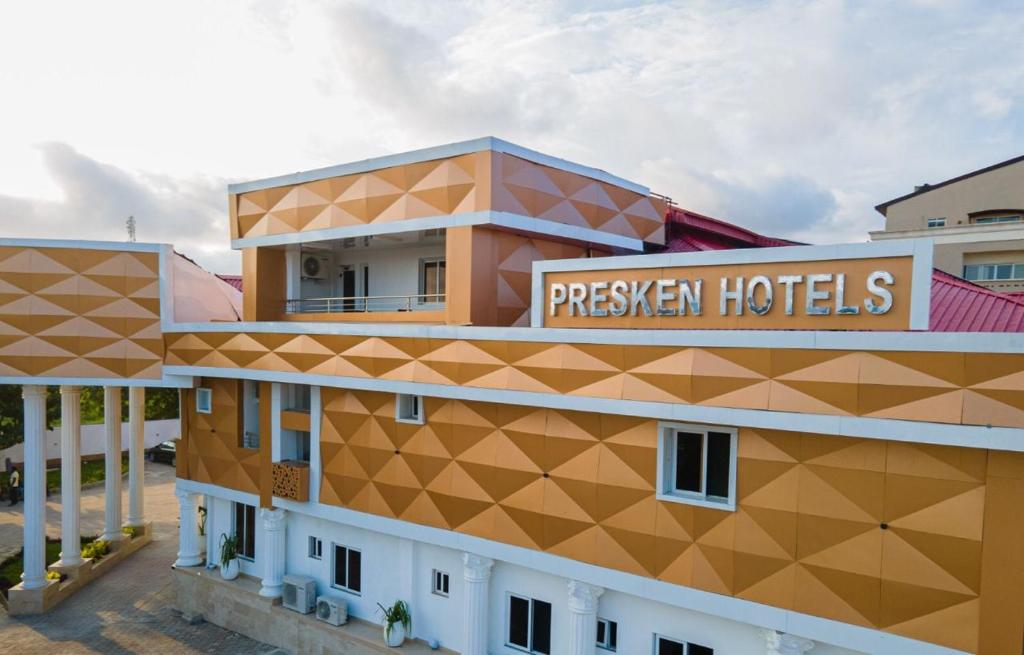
314	268
299	593
332	610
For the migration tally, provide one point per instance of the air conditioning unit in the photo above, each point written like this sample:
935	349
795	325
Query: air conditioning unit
332	610
314	268
299	593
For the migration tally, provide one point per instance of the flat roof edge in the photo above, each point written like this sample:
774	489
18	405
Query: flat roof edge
437	152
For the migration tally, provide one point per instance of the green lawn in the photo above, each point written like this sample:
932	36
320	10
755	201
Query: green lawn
12	567
92	471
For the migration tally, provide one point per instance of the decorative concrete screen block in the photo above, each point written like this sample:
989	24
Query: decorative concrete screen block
291	480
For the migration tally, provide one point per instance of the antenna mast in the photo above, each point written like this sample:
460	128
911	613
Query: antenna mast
130	225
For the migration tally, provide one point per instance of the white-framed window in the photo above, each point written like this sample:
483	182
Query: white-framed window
529	625
607	634
432	280
316	548
697	465
992	272
245	530
440	581
936	222
409	408
669	646
204	400
346	569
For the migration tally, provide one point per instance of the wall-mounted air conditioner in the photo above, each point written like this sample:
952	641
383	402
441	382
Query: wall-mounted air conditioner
332	610
314	267
299	593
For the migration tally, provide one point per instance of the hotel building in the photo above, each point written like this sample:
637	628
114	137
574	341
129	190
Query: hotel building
976	221
459	381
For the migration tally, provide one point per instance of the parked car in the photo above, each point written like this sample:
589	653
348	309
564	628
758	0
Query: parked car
163	452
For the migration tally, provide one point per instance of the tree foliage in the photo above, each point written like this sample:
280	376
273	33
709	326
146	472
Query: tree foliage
160	404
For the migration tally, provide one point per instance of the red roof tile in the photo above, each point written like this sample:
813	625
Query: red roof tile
233	280
962	306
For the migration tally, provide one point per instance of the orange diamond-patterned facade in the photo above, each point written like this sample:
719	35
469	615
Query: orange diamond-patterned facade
79	313
475	182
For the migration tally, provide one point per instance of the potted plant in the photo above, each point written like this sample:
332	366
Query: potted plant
202	521
397	623
228	556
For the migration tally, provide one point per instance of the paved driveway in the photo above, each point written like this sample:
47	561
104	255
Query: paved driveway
129	610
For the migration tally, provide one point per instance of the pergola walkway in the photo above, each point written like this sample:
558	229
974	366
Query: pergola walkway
129	610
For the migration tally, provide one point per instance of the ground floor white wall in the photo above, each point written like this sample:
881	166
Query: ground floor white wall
398	568
93	439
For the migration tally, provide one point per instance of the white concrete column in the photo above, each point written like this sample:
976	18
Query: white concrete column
136	456
293	271
273	554
583	600
70	474
188	529
112	458
476	572
780	643
33	478
315	416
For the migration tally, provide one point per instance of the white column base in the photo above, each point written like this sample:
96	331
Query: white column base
188	530
273	554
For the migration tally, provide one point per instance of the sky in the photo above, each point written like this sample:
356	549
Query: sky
791	118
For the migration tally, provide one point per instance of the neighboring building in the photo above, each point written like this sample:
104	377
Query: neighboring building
447	388
976	221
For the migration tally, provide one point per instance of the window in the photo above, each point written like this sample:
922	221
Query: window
529	624
936	222
607	634
250	414
991	272
204	400
297	397
667	646
698	465
440	583
987	220
432	280
347	566
409	408
316	548
295	445
245	530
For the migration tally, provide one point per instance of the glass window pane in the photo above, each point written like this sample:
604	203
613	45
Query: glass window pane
601	625
1004	271
441	278
719	458
355	574
669	647
689	461
696	649
339	566
541	627
970	272
613	637
250	532
519	622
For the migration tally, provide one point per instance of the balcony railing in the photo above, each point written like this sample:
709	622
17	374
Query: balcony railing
410	303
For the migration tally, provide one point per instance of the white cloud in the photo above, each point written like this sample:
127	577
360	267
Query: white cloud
789	117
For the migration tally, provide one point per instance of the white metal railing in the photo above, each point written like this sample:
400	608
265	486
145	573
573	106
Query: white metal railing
409	303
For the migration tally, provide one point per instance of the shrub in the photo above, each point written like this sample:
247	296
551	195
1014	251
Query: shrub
131	530
95	550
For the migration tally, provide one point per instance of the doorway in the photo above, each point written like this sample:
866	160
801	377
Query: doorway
347	277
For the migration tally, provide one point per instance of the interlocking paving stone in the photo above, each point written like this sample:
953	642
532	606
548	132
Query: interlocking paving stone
129	610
